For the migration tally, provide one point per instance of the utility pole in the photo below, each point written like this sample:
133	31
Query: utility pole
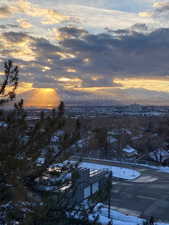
109	194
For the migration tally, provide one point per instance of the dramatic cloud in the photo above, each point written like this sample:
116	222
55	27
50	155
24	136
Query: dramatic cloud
103	51
17	45
111	54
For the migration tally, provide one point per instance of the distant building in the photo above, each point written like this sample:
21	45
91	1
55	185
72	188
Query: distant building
134	108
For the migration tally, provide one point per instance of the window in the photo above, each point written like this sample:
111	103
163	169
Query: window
87	192
95	187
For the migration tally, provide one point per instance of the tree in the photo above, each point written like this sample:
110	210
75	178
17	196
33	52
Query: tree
53	113
20	200
102	142
10	82
61	109
77	129
42	115
78	124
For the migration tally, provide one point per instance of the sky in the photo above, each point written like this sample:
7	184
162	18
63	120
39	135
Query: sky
87	51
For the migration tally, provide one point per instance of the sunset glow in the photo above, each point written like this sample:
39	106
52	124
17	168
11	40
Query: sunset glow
148	84
38	97
43	98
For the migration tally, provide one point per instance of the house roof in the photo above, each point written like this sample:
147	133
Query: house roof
129	149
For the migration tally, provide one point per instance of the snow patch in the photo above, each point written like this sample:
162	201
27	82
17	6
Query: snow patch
119	172
40	161
117	218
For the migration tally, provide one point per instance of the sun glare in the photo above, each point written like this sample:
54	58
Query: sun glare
39	97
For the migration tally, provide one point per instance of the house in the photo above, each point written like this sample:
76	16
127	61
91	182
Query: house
40	161
60	133
111	139
159	155
3	124
129	151
55	139
88	182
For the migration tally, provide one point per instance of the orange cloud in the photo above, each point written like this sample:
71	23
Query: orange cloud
150	84
65	55
146	14
24	24
160	4
24	86
49	16
71	70
20	49
70	82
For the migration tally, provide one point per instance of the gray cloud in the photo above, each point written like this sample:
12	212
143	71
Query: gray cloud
99	82
97	59
132	54
5	11
160	12
73	32
139	27
6	26
162	9
16	37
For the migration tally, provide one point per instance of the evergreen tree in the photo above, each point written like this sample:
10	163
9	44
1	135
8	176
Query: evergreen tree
42	115
21	201
53	113
10	82
77	128
61	109
102	142
78	124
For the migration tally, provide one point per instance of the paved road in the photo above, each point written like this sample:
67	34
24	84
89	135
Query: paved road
147	195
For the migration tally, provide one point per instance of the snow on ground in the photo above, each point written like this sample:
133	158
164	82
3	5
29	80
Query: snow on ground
119	172
164	169
121	219
117	218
